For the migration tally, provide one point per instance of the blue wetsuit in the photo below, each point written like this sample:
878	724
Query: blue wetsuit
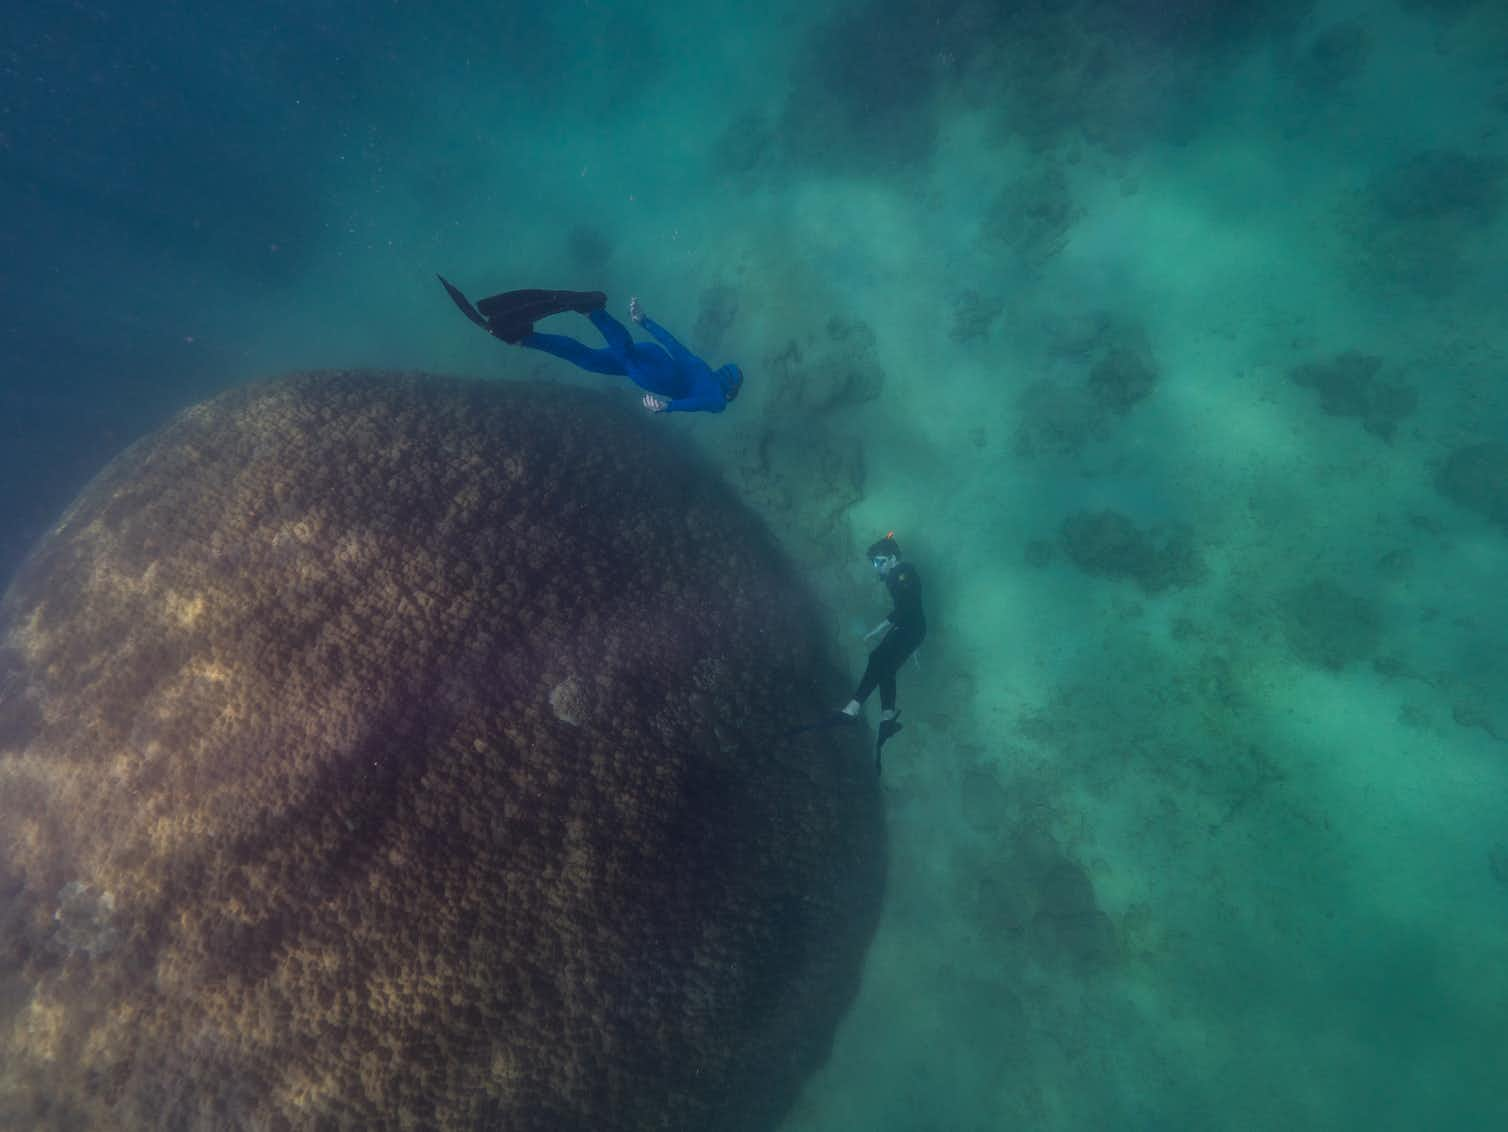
688	384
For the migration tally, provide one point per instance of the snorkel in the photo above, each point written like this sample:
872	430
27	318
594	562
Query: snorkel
885	554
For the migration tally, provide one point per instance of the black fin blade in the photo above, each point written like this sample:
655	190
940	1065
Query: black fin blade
520	307
464	303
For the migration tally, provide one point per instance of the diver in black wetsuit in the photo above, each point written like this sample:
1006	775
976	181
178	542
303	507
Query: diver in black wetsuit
899	634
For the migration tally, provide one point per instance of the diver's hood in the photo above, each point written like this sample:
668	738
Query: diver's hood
731	378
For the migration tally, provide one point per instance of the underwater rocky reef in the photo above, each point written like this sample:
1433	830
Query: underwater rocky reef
390	751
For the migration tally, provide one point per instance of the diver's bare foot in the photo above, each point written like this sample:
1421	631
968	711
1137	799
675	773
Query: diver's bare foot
635	311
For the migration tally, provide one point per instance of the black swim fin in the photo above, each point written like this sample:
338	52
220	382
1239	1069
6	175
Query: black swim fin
888	728
463	302
512	314
836	719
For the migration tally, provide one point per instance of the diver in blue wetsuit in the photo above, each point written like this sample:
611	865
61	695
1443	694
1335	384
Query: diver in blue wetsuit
674	379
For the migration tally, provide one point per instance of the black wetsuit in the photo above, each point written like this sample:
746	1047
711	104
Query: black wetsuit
908	625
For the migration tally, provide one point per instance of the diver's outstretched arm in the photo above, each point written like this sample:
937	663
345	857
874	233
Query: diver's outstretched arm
704	403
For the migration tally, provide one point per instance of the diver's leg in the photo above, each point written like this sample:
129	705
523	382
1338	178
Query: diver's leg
647	365
889	725
618	339
897	647
875	672
570	350
884	663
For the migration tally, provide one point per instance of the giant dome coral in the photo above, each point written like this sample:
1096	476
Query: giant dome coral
396	752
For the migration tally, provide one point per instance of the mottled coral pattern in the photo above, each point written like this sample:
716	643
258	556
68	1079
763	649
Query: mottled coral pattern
389	751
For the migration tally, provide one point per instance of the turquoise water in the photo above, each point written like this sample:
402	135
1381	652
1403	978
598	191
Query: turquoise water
1237	278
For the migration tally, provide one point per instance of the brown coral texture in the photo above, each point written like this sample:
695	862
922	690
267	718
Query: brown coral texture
395	752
